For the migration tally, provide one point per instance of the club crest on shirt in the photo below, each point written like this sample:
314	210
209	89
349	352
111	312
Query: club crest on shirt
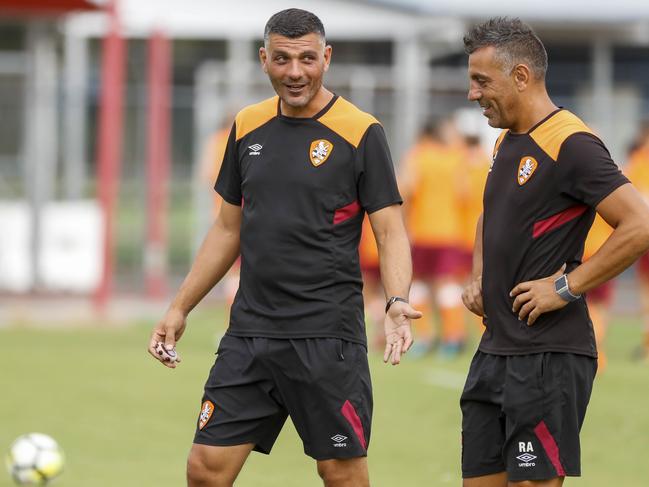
320	151
206	413
526	168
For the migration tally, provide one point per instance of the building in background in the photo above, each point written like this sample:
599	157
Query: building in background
402	60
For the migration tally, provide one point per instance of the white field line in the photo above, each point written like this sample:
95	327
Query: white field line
446	379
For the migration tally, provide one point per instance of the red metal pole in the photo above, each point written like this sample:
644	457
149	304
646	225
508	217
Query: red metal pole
158	146
109	143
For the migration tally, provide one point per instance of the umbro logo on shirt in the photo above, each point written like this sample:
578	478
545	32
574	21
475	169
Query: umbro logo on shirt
255	149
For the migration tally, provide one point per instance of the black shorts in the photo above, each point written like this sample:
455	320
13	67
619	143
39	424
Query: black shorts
523	413
322	383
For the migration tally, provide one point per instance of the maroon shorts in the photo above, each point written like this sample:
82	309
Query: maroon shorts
467	262
602	294
371	272
439	261
643	266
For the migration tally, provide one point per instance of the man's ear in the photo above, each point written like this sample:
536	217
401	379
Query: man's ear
522	76
263	56
327	57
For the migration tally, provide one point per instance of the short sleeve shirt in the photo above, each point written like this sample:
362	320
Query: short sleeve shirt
304	185
539	204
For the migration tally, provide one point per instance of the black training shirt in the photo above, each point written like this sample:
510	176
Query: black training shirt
539	205
304	185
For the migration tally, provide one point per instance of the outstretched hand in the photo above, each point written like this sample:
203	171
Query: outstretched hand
398	335
533	298
167	332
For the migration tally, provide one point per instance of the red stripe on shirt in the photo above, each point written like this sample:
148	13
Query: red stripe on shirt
555	221
350	415
347	212
550	446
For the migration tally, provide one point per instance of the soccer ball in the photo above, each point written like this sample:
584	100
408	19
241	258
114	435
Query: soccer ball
34	459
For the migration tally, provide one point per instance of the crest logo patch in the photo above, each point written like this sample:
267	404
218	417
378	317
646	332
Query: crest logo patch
526	168
206	413
320	151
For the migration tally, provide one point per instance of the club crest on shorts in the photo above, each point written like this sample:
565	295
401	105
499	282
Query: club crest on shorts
206	413
526	168
320	151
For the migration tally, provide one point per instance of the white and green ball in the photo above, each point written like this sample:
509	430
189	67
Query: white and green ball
34	459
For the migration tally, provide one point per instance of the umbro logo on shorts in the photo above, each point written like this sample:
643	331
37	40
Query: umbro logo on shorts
255	149
526	457
339	439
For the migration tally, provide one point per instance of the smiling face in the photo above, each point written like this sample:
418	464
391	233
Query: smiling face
494	88
295	68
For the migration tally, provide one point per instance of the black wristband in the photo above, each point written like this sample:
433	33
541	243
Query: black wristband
393	300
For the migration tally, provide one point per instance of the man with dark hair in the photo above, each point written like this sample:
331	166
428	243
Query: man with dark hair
300	171
530	381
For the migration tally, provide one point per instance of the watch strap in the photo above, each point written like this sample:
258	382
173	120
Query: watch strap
393	300
563	289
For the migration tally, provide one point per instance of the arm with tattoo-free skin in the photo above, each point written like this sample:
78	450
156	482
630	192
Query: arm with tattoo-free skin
396	275
625	211
472	295
216	255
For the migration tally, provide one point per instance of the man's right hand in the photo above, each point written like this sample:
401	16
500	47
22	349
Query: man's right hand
472	296
168	331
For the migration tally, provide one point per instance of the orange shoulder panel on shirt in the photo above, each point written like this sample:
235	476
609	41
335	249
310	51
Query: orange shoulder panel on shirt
499	141
254	116
552	133
347	121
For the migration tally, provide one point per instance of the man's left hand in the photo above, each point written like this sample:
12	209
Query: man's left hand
533	298
398	336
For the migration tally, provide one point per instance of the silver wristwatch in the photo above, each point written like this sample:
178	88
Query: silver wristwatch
563	290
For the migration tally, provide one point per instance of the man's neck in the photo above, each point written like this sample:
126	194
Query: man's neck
315	105
534	110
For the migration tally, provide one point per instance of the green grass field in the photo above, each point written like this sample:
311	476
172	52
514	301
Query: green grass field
125	421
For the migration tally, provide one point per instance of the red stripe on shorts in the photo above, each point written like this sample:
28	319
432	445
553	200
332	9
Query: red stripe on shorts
550	446
350	415
555	221
347	212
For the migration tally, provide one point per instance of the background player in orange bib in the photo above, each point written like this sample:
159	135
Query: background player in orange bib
430	182
473	175
372	289
599	299
637	169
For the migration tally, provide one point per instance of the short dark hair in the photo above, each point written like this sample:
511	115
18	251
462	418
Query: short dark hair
293	23
515	43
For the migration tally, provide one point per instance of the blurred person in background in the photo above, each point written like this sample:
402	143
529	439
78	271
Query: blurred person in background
637	169
473	174
373	295
210	164
300	171
530	381
430	182
212	158
600	298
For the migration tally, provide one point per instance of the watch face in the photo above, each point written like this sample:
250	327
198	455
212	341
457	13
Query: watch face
560	283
